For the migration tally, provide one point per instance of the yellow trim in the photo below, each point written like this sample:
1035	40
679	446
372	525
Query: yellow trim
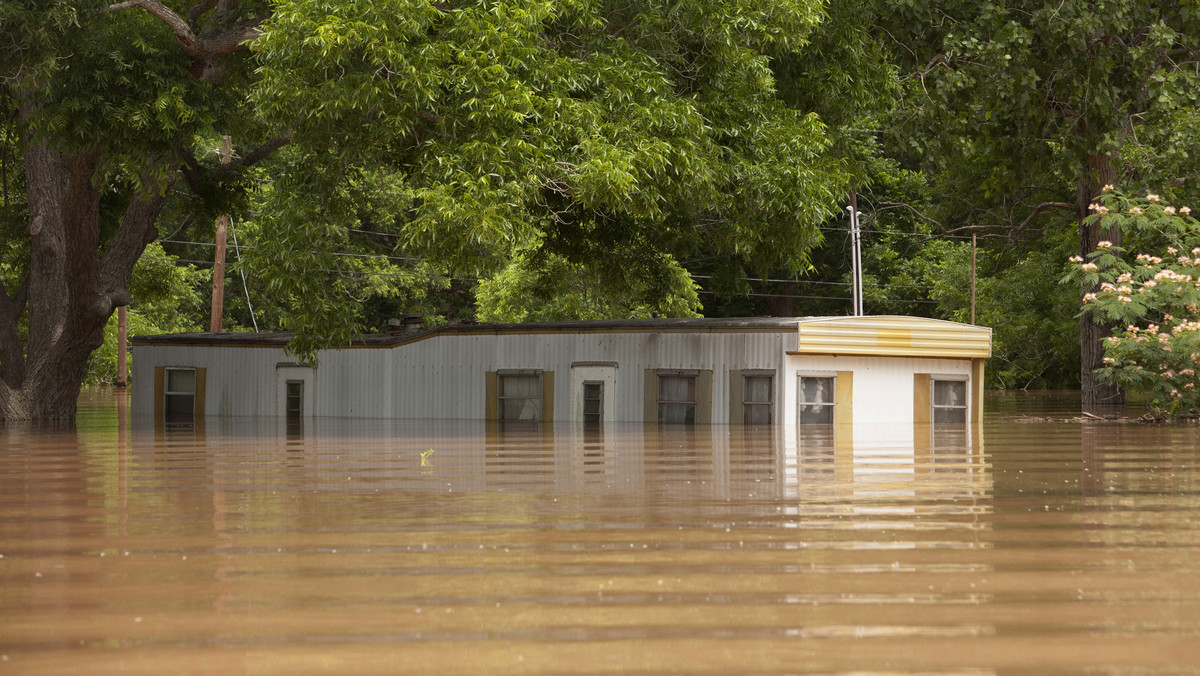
922	412
895	338
198	399
547	396
704	397
843	410
921	394
491	390
737	397
650	396
976	391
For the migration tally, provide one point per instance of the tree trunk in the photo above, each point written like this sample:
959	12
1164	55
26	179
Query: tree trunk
1094	394
72	288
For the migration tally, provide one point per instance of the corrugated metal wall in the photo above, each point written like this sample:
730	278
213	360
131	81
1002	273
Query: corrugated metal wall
443	376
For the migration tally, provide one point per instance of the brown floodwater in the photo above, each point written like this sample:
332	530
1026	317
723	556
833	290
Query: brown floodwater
458	548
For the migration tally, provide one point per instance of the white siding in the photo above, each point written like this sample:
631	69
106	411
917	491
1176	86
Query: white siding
883	386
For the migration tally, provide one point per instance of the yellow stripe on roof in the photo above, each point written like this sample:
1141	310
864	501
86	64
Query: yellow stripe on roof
893	336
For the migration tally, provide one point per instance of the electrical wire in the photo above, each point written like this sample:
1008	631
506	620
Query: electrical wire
241	270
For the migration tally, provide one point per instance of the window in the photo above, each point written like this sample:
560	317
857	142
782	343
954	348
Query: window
758	398
677	398
593	401
294	393
179	395
949	401
816	400
520	396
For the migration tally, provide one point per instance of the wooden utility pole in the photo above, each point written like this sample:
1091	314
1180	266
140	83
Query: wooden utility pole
122	335
218	293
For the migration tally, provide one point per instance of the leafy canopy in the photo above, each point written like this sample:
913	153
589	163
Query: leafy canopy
576	131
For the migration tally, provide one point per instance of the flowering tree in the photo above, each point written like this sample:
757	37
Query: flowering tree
1154	296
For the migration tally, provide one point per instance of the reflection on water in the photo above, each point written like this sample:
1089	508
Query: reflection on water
463	547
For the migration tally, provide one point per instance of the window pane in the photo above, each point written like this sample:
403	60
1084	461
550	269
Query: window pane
949	415
758	389
520	397
816	390
295	398
816	414
521	386
677	413
181	380
949	393
757	414
677	388
179	407
521	409
593	395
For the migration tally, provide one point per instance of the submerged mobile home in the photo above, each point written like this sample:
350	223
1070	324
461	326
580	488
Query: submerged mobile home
876	369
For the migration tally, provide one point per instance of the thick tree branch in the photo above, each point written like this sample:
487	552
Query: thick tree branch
182	31
199	10
133	234
916	212
219	38
1046	206
264	150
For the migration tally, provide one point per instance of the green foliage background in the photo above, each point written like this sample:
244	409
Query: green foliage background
503	161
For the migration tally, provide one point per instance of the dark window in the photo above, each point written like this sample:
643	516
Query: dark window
677	398
179	393
949	401
520	397
758	399
593	401
294	398
816	400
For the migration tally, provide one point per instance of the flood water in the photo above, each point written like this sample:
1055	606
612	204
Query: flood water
455	548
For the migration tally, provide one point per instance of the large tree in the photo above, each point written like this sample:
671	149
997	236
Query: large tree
597	133
1023	110
103	103
607	138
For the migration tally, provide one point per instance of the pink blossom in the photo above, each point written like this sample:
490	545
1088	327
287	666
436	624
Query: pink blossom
1103	244
1152	197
